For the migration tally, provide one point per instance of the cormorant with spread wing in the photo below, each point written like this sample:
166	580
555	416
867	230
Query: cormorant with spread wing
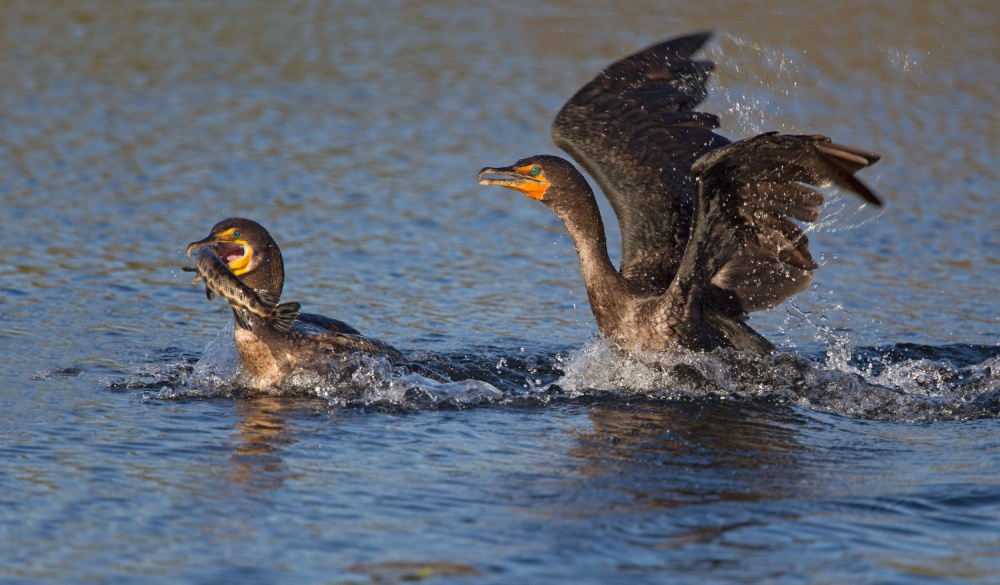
706	226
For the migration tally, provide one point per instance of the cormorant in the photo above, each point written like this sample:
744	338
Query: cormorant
267	352
705	222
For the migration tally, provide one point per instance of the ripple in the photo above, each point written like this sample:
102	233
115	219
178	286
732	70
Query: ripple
891	388
899	383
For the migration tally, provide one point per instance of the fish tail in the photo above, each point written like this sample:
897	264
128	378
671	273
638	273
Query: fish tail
268	298
283	316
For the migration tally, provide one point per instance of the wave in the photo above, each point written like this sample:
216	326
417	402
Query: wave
902	382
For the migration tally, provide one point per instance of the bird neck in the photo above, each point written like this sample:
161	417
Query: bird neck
269	274
605	285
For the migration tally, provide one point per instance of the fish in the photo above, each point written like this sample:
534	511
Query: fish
220	281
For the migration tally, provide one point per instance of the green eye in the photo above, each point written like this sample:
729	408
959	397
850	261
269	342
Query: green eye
235	234
534	171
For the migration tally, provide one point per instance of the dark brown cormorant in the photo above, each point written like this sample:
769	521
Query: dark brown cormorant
267	353
705	222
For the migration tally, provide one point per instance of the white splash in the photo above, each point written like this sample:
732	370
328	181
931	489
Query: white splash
906	390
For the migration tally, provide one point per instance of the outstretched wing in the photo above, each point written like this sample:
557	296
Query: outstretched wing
633	130
743	240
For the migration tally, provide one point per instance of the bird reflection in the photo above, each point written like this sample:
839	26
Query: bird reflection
262	434
664	455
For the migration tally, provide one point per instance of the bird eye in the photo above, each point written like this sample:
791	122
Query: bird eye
534	171
235	234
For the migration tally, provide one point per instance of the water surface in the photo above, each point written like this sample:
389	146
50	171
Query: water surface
516	448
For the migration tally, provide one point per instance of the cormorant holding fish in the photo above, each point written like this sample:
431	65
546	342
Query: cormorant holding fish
242	263
706	234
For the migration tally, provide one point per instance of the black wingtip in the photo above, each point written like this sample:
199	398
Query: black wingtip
844	179
683	46
689	44
675	51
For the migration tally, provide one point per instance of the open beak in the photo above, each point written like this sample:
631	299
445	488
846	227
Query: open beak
517	179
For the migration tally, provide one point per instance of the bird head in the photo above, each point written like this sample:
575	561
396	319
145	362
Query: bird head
550	179
249	251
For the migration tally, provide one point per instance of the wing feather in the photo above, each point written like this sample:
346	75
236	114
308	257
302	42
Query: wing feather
754	188
632	129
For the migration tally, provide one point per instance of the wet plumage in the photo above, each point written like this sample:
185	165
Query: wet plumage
706	223
267	352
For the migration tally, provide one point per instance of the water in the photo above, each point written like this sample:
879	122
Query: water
516	448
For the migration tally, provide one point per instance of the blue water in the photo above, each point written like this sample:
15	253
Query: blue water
516	448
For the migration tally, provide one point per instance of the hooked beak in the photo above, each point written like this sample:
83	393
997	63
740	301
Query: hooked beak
209	241
235	253
517	179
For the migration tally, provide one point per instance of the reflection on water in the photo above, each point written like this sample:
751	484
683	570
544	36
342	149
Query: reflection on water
262	434
686	453
513	447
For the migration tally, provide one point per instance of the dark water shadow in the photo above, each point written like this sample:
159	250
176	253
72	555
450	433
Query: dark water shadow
681	453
